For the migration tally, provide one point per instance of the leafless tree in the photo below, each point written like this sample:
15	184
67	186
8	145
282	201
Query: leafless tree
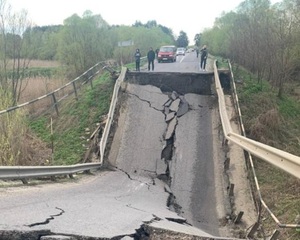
14	55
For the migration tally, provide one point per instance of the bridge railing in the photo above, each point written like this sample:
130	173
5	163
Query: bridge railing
287	162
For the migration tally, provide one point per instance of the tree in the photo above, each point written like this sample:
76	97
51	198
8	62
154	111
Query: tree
83	42
197	39
14	56
262	38
142	37
42	41
182	40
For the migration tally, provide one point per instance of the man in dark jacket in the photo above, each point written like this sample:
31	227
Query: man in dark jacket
203	58
151	57
137	56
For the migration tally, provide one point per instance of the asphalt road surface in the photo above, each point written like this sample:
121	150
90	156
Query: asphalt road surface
165	170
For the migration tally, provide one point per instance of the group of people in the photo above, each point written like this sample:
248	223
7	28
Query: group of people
151	57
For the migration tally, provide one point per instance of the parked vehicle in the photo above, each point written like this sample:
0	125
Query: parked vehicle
180	51
167	53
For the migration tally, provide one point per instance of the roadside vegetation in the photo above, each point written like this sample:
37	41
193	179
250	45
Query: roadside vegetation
71	130
275	122
262	42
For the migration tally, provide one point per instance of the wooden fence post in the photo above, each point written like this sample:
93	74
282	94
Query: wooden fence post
75	91
55	103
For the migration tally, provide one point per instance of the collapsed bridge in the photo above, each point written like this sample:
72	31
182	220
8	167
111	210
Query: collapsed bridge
166	128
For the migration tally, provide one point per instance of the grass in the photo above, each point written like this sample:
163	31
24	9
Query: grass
222	63
275	122
77	120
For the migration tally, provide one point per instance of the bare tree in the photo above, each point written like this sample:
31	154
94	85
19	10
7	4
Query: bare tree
15	57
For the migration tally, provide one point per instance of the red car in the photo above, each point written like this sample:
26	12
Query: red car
167	53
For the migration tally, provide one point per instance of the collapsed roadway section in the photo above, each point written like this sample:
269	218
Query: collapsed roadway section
167	129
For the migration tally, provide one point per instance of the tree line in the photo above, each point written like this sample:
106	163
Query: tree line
262	37
79	43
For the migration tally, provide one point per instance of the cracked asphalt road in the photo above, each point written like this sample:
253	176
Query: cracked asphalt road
107	205
178	189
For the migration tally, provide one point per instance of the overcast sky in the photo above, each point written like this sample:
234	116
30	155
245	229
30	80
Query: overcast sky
190	16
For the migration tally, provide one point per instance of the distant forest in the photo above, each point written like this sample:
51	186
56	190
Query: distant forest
261	37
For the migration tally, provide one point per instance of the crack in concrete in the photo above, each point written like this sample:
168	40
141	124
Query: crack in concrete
147	101
52	217
128	175
154	219
132	179
129	206
179	220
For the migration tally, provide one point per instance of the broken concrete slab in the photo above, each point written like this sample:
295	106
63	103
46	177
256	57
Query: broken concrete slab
175	105
170	116
170	229
57	237
161	167
167	110
168	103
127	238
183	109
23	234
171	128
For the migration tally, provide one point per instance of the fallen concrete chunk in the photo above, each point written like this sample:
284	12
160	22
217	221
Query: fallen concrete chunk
183	109
168	103
167	110
165	229
57	237
127	238
161	167
171	128
170	116
175	105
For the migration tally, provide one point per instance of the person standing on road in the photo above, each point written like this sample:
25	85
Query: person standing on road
197	52
151	57
137	56
157	51
203	58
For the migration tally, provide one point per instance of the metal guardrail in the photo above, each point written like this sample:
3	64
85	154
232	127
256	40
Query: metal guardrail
247	144
20	172
110	116
288	162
